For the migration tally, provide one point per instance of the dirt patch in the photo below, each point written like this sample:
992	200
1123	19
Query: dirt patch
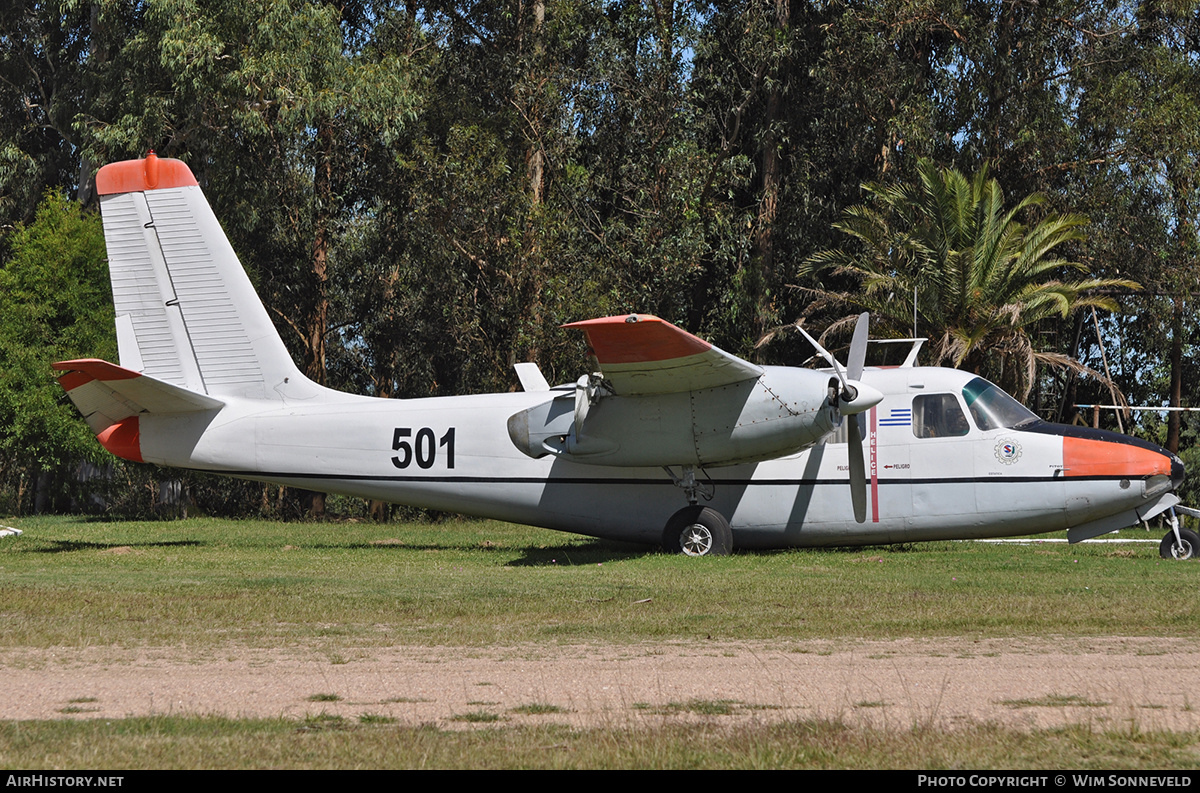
1114	683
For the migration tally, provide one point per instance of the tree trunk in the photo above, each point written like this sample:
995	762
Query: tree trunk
535	171
762	278
1173	416
317	322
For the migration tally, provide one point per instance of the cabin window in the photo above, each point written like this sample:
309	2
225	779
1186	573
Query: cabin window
938	416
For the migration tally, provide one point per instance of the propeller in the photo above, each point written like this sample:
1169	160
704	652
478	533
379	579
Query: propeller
854	398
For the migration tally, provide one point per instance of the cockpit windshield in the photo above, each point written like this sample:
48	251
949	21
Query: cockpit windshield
993	409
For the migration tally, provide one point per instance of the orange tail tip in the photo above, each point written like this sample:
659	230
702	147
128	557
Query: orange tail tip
123	439
138	176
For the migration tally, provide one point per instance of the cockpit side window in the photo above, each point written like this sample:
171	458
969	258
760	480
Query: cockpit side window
938	416
993	409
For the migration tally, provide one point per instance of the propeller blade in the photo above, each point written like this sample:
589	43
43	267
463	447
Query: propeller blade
858	348
827	355
858	474
856	397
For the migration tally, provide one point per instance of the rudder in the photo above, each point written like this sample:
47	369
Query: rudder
186	311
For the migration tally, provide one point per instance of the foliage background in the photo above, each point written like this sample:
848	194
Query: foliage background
423	191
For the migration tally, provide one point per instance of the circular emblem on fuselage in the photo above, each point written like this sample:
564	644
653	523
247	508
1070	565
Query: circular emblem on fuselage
1008	451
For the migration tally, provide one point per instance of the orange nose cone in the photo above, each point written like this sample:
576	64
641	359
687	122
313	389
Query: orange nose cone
123	439
1091	457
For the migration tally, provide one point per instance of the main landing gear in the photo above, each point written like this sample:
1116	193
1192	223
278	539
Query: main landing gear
696	530
1180	543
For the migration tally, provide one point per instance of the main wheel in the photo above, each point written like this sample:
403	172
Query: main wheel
1187	547
698	531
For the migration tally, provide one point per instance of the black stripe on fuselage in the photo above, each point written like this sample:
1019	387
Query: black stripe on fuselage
582	480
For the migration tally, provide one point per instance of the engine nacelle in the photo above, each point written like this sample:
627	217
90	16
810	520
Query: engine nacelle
781	412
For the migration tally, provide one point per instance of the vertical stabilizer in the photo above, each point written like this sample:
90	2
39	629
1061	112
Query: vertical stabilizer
187	313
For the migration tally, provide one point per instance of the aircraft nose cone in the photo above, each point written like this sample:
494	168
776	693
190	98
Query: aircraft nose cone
1177	472
1101	454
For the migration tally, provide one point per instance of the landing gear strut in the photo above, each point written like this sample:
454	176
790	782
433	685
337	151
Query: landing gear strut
687	481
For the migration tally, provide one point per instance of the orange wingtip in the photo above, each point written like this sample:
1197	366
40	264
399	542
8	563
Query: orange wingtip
93	369
1089	457
136	176
123	439
638	338
72	380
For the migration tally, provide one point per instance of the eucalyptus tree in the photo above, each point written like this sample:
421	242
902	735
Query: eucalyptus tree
1140	114
46	52
263	99
981	278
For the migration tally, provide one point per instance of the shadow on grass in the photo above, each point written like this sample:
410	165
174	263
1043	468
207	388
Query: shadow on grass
579	554
565	554
66	546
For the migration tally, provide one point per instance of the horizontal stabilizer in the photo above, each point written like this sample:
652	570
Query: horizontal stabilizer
642	354
106	393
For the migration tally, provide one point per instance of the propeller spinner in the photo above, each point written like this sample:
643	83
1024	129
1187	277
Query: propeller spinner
854	398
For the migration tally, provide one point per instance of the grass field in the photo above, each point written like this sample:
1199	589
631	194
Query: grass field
168	742
75	582
71	582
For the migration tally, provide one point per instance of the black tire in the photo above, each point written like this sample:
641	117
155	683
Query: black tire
698	531
1188	549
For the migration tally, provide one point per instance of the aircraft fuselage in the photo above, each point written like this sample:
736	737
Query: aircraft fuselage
454	453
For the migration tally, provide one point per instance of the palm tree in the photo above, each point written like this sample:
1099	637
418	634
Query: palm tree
980	277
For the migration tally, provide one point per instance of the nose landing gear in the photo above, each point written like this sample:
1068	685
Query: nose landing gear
1180	543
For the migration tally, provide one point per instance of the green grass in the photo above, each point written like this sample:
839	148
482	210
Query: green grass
1054	701
345	588
79	582
699	707
477	717
333	742
538	709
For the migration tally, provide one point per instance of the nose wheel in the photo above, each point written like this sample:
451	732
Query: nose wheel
1180	543
698	531
1186	546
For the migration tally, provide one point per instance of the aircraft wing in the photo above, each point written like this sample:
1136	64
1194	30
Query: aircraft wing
642	354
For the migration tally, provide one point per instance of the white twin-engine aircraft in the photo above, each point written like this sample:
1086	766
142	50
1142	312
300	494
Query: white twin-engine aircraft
628	453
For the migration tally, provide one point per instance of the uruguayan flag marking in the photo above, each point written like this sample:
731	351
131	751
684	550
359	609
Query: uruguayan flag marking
897	417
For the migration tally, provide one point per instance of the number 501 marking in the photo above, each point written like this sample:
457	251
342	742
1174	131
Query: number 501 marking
422	448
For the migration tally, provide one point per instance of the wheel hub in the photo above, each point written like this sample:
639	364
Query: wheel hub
696	540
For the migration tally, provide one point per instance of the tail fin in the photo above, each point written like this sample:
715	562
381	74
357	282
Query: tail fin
187	314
